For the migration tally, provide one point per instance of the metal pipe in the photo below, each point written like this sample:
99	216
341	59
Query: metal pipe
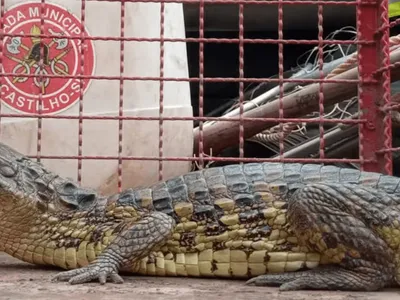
302	74
312	146
225	133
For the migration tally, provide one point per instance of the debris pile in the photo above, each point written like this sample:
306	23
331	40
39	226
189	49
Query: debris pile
298	99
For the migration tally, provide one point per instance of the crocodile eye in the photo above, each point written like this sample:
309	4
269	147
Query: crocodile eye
278	188
69	187
86	199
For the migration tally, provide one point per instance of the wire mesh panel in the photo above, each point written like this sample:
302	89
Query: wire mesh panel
123	93
360	75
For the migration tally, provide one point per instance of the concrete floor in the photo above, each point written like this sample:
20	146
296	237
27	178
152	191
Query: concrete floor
19	280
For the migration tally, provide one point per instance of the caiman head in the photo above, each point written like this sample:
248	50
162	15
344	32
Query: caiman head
28	192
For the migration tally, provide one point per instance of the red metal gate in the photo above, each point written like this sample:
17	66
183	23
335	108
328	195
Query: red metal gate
375	63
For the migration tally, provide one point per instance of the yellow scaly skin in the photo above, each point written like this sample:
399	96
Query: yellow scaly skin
292	225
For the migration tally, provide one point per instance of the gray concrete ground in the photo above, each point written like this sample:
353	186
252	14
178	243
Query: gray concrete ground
19	280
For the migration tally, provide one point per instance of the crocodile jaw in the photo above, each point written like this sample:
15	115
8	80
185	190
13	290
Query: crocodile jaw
17	215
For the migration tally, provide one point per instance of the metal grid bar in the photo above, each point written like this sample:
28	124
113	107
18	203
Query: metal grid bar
121	97
201	39
255	2
241	83
280	70
161	112
41	82
201	81
2	11
321	76
81	87
374	66
371	58
192	79
385	99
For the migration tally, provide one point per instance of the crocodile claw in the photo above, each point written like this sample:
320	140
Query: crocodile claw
274	280
90	273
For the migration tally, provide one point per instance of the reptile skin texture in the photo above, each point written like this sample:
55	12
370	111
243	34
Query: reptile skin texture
296	226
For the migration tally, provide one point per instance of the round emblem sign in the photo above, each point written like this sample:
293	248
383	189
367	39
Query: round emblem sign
61	56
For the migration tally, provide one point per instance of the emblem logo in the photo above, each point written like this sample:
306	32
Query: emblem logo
61	56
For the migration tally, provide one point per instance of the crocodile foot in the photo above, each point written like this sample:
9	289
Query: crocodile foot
100	271
322	278
134	241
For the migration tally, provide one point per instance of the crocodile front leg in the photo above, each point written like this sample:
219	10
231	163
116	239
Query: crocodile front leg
352	227
136	241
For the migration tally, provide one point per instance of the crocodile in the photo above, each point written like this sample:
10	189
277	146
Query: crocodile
287	225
